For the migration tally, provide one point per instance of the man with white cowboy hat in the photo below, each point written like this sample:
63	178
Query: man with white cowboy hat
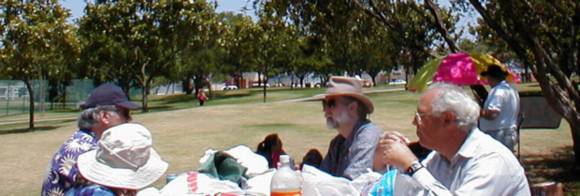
124	163
107	106
346	108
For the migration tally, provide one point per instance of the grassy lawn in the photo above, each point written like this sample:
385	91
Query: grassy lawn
183	131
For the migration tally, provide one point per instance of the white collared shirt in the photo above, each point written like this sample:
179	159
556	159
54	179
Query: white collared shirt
482	166
505	99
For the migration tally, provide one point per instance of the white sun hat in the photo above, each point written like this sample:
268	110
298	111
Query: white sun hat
125	159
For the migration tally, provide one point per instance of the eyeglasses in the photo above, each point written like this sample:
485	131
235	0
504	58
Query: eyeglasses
328	104
419	116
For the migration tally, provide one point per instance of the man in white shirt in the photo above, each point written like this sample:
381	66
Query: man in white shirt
499	115
464	161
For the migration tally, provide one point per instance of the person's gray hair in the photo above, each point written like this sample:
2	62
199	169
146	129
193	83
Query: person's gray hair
362	110
90	116
454	99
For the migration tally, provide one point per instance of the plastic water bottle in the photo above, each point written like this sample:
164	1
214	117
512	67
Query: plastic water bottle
285	181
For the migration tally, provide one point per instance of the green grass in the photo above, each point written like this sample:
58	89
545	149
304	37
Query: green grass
182	132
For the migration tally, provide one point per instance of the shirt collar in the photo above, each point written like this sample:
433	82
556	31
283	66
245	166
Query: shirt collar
88	131
467	149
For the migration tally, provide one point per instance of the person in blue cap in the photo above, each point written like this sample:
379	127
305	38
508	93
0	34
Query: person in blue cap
107	106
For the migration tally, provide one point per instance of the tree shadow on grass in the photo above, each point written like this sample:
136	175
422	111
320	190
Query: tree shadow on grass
558	166
26	130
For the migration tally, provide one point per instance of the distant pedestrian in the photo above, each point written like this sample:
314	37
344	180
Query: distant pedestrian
201	97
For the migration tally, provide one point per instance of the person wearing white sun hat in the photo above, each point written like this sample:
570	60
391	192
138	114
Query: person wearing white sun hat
106	106
123	163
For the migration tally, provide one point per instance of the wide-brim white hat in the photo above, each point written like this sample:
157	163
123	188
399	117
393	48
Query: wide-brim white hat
96	165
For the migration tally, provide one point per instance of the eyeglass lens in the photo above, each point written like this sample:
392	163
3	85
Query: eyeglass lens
331	103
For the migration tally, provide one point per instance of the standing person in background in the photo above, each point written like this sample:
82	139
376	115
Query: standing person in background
351	151
201	97
106	107
499	115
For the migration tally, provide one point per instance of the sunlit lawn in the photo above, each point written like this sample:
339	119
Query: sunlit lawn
182	135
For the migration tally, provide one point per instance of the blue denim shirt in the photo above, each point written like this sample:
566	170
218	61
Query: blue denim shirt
62	173
351	157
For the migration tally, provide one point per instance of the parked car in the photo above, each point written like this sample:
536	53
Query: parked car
399	81
256	85
230	87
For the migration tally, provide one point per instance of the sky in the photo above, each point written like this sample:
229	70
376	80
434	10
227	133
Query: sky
77	6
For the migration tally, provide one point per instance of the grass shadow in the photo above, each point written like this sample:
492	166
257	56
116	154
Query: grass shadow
26	130
558	165
272	126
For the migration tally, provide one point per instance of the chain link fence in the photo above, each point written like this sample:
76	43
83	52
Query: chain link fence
15	98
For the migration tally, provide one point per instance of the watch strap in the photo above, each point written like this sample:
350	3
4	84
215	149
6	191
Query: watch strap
415	166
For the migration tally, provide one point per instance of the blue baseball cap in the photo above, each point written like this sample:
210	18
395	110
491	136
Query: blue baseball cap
108	94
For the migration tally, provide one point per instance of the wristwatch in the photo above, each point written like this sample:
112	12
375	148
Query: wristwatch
415	166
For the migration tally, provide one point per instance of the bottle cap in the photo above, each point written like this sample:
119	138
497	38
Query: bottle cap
284	158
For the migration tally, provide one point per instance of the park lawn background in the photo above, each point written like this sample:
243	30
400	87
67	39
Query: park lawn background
182	136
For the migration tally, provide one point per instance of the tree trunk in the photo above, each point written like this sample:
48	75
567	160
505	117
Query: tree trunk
210	90
198	84
432	7
145	100
31	104
264	89
186	86
259	79
373	77
575	128
126	86
292	81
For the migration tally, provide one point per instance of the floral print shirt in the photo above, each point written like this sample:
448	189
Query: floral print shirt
90	190
62	172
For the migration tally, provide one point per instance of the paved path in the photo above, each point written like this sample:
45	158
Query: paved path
365	92
74	117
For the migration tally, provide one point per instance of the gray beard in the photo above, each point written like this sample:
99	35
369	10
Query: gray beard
332	123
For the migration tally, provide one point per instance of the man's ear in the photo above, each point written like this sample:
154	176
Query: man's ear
353	106
449	117
105	116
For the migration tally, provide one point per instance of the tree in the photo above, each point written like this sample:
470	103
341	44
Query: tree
545	36
412	28
36	42
141	40
240	38
204	49
340	25
272	43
